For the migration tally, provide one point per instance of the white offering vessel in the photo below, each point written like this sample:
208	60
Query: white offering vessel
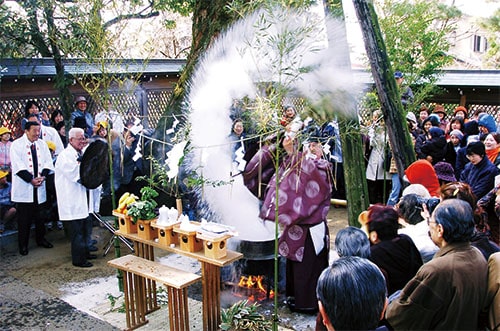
163	219
186	225
173	215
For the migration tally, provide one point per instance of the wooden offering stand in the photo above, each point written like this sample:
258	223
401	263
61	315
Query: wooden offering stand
215	246
187	238
145	231
166	235
125	223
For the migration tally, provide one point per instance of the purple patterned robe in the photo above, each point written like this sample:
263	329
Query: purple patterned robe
304	200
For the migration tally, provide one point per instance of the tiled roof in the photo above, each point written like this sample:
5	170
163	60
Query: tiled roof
44	67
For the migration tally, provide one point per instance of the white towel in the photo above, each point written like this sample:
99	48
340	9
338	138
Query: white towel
318	237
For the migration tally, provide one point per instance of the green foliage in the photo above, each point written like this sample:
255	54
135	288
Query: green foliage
158	178
242	316
145	208
415	34
492	25
112	300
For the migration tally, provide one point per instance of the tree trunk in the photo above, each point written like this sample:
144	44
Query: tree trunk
209	19
352	147
394	114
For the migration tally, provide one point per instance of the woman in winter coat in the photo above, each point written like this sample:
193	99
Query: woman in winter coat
479	173
434	148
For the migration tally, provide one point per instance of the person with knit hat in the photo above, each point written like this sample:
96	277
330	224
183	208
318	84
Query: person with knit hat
456	123
452	146
411	119
434	148
479	173
5	143
444	172
441	112
461	111
429	122
486	124
7	207
422	172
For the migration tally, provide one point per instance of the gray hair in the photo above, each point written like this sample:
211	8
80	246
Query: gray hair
73	131
352	241
456	218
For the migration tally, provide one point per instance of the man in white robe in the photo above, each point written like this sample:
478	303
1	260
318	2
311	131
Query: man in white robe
72	200
31	165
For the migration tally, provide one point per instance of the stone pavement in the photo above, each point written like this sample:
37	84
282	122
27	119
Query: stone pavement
44	291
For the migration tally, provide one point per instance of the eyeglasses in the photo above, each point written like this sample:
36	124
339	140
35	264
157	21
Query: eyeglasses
429	221
80	139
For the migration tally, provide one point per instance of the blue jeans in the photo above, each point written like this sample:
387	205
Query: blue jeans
79	250
396	190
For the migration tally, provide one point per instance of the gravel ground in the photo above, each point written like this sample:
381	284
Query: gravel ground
44	291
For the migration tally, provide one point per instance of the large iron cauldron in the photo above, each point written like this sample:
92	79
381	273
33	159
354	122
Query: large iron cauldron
256	250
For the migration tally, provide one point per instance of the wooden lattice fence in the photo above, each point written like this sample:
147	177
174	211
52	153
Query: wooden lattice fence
148	106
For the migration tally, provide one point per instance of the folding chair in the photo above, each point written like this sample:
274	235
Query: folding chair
110	227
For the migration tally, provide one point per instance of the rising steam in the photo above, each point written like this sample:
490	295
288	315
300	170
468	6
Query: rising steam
294	50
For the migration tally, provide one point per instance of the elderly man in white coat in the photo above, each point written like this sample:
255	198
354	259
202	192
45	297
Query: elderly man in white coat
31	164
72	200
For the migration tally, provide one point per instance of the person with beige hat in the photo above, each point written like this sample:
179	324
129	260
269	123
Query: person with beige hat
81	110
5	143
7	207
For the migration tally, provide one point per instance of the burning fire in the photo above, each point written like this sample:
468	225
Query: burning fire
252	287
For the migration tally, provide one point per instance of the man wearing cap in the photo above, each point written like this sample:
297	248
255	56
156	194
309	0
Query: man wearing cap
406	92
31	165
81	111
5	144
7	207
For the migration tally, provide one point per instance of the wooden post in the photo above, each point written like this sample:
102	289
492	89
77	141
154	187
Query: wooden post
387	90
352	146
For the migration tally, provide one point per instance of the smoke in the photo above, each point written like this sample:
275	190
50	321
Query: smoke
288	48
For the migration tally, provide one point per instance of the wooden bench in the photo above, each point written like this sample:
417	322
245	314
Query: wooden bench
137	269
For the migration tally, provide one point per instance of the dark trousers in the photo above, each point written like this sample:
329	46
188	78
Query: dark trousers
302	277
79	236
27	213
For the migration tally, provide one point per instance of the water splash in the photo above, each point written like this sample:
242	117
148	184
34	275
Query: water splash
288	48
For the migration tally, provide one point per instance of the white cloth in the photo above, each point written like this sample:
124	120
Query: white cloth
95	199
318	236
72	202
50	134
375	167
20	156
419	233
113	116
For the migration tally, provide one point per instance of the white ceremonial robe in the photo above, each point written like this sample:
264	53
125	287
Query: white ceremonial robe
72	202
50	134
20	156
